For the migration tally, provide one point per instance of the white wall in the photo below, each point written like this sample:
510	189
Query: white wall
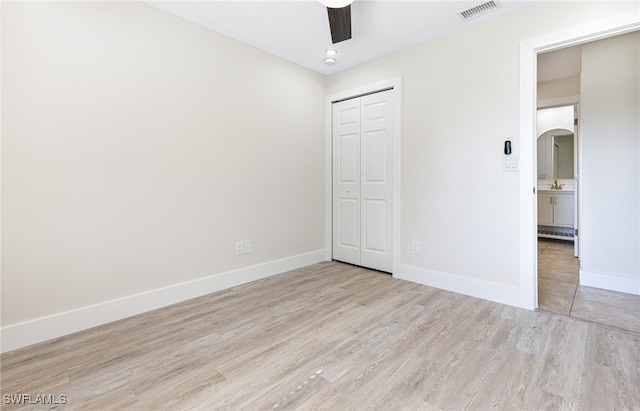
137	148
460	103
562	87
610	132
552	118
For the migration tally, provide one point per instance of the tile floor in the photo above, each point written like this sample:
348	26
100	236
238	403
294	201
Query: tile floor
559	290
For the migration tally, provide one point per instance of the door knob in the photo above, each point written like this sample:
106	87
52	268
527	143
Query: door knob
347	190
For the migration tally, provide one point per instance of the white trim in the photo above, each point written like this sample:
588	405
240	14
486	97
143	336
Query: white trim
610	282
463	285
395	84
45	328
595	30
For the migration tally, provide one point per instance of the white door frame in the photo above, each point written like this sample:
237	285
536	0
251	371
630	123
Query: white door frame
395	84
529	49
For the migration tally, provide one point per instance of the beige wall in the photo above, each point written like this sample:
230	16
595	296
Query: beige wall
610	133
460	103
138	147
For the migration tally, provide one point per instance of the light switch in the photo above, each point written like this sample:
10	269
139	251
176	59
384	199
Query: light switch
510	164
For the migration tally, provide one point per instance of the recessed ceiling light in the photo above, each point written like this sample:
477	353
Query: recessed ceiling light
331	52
329	61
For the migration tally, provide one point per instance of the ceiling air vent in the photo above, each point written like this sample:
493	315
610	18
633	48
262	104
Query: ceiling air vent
478	10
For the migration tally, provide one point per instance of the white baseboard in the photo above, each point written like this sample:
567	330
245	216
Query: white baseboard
463	285
610	282
45	328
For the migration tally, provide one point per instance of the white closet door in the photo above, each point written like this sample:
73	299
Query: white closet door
362	181
376	182
346	181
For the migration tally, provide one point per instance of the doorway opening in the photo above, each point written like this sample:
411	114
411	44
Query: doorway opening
557	155
561	286
529	50
557	163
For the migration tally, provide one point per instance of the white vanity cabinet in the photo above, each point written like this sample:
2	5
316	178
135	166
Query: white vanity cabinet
555	208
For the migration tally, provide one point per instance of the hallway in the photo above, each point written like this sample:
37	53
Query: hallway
559	290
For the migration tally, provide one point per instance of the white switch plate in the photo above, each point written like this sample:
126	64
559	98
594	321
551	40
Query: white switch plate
247	246
239	247
510	163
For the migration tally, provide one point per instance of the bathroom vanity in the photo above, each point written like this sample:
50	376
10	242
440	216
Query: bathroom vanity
555	214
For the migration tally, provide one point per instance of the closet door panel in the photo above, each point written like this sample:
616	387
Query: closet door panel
376	184
346	181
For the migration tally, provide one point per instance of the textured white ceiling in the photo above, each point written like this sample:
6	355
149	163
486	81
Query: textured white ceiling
298	30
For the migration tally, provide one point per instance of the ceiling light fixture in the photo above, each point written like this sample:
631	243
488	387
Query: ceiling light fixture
336	4
329	61
331	52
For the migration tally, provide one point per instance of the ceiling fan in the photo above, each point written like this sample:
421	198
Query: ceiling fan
339	12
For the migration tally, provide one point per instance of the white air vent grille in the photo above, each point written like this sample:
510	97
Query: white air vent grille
478	10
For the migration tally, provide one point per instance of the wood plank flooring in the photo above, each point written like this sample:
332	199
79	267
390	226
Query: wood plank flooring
336	337
559	290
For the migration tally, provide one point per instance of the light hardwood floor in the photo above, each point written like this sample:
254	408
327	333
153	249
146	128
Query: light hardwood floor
559	290
337	337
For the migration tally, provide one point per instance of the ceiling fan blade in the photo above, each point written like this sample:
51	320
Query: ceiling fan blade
340	23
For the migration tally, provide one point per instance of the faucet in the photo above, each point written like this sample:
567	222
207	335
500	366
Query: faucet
555	185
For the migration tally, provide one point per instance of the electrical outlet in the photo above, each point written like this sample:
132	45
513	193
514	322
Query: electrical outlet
239	247
247	246
415	247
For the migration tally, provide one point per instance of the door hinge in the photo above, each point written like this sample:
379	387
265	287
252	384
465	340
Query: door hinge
575	232
534	190
575	121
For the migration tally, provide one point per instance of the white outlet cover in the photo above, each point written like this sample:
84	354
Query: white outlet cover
247	246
